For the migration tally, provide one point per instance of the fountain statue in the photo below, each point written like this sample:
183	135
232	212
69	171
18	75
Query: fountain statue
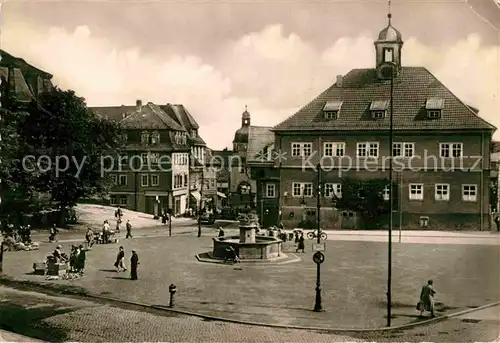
248	245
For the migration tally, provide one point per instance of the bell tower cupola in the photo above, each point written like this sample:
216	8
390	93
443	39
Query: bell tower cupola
245	118
388	48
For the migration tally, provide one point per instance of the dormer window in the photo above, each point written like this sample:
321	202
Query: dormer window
155	138
434	107
379	108
194	133
332	109
330	115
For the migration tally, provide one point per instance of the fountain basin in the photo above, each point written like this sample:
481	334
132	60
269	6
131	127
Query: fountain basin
264	248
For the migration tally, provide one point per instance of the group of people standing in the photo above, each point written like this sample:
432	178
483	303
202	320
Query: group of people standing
122	267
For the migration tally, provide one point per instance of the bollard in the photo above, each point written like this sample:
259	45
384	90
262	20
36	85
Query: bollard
172	289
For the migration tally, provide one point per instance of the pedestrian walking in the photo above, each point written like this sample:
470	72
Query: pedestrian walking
426	302
118	224
134	263
497	222
221	232
105	232
164	218
89	237
53	233
129	229
80	259
118	213
301	245
120	261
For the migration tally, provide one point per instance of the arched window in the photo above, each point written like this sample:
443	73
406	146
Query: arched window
244	188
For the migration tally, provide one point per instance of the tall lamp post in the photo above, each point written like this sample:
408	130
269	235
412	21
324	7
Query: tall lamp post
201	200
391	200
317	303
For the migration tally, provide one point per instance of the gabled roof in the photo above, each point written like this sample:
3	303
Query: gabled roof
7	59
259	138
412	88
150	116
16	83
181	115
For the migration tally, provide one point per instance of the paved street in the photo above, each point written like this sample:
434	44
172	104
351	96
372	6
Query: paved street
353	280
58	319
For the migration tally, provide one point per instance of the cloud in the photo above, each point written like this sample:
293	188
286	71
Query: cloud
271	72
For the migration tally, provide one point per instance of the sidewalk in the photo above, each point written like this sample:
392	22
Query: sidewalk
7	336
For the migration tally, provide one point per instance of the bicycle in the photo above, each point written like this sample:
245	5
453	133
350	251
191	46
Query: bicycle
312	235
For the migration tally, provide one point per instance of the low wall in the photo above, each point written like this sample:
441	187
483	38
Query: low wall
330	220
264	249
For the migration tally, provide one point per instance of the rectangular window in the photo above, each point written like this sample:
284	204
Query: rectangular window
144	180
378	114
367	149
114	179
122	180
416	191
122	160
307	189
306	149
442	191
185	180
403	149
301	149
123	201
297	189
145	138
434	114
154	157
388	55
270	190
112	200
334	149
469	192
332	189
329	115
154	180
144	158
453	150
302	189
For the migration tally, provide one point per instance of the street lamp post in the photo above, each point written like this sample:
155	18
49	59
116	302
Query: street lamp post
317	303
391	202
201	200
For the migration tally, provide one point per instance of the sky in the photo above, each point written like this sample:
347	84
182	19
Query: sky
215	57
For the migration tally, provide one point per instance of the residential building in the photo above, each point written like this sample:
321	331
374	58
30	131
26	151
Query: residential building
495	174
441	149
220	162
152	171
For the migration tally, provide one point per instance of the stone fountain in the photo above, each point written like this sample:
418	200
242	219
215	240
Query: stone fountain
248	245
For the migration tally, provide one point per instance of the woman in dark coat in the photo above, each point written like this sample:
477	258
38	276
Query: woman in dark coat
80	260
301	244
134	262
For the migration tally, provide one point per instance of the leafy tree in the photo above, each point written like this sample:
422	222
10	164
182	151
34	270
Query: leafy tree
365	197
65	141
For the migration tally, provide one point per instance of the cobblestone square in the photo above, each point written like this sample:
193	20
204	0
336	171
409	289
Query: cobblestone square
353	280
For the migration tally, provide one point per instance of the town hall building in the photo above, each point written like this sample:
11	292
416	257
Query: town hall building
440	145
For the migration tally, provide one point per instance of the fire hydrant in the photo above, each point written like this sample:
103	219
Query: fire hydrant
172	289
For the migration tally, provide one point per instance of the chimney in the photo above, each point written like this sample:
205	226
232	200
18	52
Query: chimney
340	80
138	103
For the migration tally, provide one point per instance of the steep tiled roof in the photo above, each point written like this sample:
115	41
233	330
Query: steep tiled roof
412	88
17	84
182	116
259	138
150	116
13	61
114	113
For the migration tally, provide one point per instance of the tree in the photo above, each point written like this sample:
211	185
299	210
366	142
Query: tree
366	198
65	141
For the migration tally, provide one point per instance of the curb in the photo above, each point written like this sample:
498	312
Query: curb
48	288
